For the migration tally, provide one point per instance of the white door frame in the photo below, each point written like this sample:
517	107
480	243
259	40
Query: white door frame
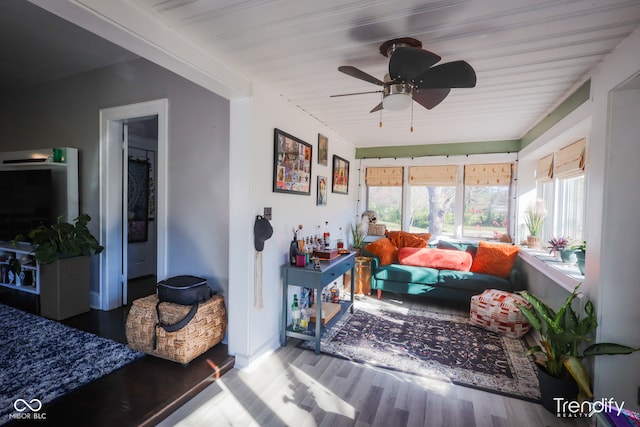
111	202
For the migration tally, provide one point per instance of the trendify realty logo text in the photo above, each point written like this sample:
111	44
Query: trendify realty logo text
575	409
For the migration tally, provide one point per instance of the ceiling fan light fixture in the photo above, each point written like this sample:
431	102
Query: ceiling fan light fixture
397	97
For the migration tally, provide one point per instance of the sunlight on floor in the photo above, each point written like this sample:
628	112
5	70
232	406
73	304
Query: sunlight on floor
441	387
320	396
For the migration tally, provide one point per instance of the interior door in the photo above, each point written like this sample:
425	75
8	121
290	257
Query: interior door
141	199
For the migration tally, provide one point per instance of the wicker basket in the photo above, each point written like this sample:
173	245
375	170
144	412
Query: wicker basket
377	229
206	329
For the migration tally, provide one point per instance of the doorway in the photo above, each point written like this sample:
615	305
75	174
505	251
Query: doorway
139	196
133	234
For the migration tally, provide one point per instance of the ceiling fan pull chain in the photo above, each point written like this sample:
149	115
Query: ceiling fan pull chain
381	99
412	117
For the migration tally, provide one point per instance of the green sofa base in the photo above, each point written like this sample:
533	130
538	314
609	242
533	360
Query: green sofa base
441	284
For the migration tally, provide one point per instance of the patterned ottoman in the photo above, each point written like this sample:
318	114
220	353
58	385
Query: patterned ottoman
496	311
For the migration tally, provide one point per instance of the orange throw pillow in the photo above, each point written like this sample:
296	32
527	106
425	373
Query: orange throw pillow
496	259
383	249
423	236
394	236
402	239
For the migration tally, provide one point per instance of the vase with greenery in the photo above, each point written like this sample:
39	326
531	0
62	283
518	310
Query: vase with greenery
534	219
563	334
357	236
62	240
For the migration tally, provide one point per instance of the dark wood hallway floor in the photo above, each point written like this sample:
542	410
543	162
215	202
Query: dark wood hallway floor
140	394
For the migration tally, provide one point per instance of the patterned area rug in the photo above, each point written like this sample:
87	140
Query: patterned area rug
42	359
432	345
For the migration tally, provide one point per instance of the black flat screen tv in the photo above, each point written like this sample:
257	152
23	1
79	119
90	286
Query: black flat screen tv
26	201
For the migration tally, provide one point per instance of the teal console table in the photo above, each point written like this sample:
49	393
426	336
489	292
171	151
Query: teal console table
309	277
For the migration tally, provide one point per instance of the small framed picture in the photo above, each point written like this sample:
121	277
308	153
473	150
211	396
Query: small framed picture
321	199
323	150
340	182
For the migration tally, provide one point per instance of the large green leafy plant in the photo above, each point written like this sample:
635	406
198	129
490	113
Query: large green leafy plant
563	333
62	240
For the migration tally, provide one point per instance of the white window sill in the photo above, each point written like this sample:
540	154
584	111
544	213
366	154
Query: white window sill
566	275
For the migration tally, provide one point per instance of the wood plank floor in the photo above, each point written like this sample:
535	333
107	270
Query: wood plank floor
290	387
295	387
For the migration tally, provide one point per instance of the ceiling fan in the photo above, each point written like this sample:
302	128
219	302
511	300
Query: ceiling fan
412	76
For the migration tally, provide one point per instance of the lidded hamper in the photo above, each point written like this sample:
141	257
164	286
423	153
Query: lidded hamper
205	330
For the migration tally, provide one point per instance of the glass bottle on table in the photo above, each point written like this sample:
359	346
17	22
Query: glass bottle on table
326	235
340	243
295	314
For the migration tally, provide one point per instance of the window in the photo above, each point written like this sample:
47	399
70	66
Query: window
486	200
432	199
440	202
386	202
563	191
486	211
569	215
433	210
384	195
564	199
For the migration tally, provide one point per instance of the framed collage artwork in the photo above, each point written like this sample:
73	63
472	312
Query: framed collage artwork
292	164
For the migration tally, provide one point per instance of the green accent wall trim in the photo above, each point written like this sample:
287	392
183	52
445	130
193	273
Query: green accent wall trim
456	149
574	100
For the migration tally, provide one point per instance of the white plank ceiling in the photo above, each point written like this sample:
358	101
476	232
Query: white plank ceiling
528	56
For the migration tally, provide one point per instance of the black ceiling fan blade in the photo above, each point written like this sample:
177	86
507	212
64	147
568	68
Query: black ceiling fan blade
376	108
355	93
456	74
429	98
406	63
359	74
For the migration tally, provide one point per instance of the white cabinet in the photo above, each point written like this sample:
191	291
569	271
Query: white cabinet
28	279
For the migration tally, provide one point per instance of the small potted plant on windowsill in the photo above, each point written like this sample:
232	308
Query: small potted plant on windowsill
534	219
558	244
580	251
562	335
63	251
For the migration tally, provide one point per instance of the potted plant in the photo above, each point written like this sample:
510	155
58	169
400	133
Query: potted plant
62	240
562	335
558	244
63	252
358	235
534	219
580	251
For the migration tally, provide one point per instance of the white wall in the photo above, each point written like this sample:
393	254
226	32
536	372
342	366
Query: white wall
254	332
613	260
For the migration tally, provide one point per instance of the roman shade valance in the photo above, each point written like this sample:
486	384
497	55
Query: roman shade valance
384	177
433	175
544	171
570	160
489	174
